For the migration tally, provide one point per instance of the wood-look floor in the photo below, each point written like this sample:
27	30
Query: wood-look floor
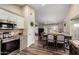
37	49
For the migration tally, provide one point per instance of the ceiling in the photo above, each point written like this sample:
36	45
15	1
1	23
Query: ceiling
50	13
76	17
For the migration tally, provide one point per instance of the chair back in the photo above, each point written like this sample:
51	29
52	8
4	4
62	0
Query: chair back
43	36
50	37
60	37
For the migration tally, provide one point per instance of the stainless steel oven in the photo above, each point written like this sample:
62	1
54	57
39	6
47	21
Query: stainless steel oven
10	46
9	43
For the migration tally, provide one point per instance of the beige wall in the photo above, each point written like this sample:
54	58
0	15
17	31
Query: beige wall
74	11
53	27
29	31
75	29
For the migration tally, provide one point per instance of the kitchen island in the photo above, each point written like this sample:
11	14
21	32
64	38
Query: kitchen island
74	47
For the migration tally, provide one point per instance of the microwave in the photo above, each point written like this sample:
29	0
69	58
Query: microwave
7	25
4	26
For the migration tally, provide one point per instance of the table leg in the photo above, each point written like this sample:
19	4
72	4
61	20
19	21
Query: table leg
55	38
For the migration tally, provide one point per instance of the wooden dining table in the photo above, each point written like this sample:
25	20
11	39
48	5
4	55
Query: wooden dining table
66	36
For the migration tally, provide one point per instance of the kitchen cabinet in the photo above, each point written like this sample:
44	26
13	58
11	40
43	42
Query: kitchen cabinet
19	20
74	47
9	47
3	15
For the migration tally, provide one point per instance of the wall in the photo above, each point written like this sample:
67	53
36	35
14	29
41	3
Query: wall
75	29
61	27
50	28
29	32
31	29
74	11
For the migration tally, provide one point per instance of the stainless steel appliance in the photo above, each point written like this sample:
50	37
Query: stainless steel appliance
9	43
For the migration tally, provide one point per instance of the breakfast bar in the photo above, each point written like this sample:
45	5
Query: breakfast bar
74	47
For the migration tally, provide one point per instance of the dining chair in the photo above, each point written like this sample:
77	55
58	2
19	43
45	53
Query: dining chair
50	39
44	39
68	38
61	40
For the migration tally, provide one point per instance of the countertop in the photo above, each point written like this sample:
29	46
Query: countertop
10	39
75	43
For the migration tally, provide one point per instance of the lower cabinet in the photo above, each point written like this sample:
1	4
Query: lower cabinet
8	47
73	50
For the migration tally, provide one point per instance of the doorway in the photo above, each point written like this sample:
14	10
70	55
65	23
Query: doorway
40	30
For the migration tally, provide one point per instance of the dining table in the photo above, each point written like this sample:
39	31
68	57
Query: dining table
66	36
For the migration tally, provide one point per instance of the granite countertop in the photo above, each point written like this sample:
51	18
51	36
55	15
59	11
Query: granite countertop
75	43
10	39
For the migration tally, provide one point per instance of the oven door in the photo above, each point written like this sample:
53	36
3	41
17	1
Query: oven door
9	47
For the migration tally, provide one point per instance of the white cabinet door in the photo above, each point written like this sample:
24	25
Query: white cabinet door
20	22
11	16
17	19
3	14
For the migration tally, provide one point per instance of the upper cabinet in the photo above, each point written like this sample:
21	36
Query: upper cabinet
20	22
5	15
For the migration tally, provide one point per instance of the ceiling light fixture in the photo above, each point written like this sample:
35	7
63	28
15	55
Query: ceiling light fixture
76	25
43	4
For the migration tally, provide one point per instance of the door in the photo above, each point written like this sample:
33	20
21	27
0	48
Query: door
40	30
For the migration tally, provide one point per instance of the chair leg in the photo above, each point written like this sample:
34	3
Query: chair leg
47	44
64	48
56	46
43	46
